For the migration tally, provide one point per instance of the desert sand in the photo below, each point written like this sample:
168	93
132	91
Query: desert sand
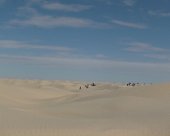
59	108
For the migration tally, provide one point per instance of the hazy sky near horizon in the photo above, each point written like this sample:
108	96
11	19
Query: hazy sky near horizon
101	40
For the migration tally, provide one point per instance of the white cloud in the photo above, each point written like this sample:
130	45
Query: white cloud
33	1
86	63
142	47
46	21
129	24
103	66
65	7
29	16
83	68
11	44
26	11
129	2
157	56
101	56
49	21
159	13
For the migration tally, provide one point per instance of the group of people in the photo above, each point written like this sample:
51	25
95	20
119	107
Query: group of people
131	84
87	85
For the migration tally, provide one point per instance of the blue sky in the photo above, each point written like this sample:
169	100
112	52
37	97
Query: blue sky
101	40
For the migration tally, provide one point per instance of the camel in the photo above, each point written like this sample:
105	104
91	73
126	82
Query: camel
128	84
133	84
87	86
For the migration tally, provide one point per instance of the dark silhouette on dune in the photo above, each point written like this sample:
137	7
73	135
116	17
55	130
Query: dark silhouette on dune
133	84
93	84
87	86
128	84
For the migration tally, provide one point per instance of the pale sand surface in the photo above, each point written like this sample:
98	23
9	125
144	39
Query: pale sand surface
59	108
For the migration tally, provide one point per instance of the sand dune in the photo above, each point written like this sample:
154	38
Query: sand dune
59	108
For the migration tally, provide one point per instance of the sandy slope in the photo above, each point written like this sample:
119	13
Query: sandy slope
59	108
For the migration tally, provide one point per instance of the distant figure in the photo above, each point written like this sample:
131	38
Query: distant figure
133	84
87	86
80	88
93	84
128	84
